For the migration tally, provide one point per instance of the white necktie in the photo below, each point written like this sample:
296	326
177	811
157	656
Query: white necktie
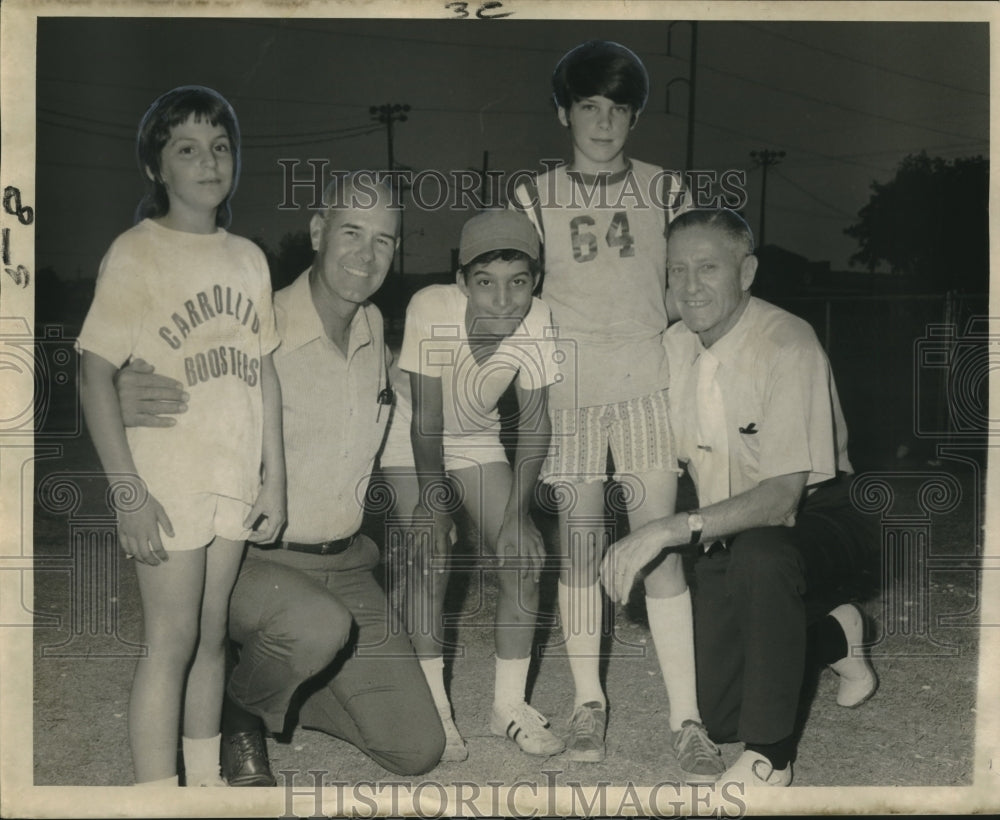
712	451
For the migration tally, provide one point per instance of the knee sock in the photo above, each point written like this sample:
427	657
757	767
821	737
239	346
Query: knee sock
511	681
201	758
828	641
672	627
580	610
434	673
778	754
166	781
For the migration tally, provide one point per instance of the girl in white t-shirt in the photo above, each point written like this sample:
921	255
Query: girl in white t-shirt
180	292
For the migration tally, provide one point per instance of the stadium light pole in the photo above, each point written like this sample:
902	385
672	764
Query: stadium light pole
764	159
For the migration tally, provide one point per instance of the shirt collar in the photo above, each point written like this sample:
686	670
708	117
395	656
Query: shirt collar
600	178
298	321
729	346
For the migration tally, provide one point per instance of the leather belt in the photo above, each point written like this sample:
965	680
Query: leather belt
322	548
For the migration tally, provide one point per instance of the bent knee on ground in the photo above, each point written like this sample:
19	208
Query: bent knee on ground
414	752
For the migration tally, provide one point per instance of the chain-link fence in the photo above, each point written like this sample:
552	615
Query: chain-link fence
912	370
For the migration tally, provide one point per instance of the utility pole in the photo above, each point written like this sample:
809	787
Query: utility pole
387	114
483	178
482	182
690	80
764	159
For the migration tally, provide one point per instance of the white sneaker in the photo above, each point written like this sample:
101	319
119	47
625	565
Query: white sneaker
455	748
527	727
858	680
752	769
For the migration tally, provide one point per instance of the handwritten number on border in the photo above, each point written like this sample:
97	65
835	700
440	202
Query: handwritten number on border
461	10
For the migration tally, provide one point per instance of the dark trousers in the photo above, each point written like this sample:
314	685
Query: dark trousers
325	619
752	605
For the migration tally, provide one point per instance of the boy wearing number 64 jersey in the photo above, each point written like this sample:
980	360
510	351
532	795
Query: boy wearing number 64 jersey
602	219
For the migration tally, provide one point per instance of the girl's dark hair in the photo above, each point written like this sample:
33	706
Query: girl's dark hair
168	111
600	68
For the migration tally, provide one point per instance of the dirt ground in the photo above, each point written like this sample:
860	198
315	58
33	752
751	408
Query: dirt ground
917	731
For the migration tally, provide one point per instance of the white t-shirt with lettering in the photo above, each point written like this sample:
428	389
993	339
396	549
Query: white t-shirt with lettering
198	308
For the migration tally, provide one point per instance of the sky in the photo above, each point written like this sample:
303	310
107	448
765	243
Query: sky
845	101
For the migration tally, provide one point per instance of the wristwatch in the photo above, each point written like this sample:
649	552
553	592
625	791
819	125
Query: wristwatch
695	524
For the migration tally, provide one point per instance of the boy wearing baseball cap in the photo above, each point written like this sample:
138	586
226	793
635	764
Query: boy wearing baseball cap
463	346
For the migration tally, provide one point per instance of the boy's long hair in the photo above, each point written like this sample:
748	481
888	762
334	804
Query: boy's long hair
168	111
600	68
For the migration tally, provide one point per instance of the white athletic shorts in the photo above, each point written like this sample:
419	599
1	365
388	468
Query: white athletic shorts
197	518
460	452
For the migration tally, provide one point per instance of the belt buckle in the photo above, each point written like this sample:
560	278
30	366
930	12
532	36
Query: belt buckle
336	546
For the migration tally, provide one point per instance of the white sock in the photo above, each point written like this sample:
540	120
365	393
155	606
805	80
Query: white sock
434	673
166	781
671	623
201	758
511	681
580	610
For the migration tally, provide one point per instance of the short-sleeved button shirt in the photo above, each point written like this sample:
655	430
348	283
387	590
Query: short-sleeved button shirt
333	422
782	411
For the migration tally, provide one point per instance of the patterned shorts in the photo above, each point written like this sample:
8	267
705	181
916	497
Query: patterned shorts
637	431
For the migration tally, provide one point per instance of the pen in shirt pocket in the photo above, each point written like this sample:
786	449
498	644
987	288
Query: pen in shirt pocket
385	396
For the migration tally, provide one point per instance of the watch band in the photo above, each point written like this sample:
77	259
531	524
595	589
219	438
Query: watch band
695	525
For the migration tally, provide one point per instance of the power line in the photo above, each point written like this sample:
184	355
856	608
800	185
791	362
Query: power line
813	196
151	92
896	152
797	149
248	143
89	131
832	104
809	214
859	61
255	138
285	26
43	110
542	110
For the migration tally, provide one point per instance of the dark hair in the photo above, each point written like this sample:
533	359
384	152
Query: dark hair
600	68
168	111
730	222
504	255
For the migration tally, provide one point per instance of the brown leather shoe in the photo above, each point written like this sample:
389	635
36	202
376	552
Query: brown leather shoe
244	760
